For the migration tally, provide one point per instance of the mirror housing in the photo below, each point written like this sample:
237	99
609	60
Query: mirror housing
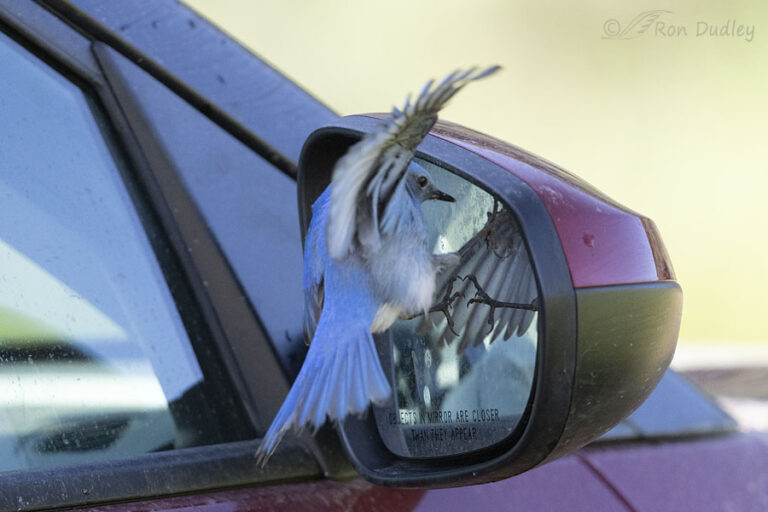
609	305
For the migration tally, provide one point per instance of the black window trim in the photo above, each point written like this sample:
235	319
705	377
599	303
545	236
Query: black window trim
85	22
162	473
155	475
276	143
239	336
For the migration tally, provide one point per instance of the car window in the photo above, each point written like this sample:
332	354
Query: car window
248	205
95	359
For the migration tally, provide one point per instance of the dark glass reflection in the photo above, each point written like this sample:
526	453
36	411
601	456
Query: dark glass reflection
462	375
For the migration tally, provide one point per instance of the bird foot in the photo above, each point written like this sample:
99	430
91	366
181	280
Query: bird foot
446	303
481	297
443	306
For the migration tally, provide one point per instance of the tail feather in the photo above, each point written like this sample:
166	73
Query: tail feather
378	386
339	402
339	377
308	397
358	392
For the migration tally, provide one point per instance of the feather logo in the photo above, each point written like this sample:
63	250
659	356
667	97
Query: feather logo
612	29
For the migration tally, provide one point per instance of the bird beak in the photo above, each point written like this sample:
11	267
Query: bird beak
439	195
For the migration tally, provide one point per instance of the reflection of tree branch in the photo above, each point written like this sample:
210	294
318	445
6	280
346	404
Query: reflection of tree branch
481	297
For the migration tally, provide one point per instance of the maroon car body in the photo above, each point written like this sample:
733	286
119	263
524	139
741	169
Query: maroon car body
627	247
725	473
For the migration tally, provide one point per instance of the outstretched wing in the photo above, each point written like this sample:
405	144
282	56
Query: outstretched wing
496	284
373	171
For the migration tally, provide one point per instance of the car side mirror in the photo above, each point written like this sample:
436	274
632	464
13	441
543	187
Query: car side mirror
559	320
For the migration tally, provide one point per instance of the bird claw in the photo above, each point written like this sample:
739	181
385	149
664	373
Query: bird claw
481	297
444	305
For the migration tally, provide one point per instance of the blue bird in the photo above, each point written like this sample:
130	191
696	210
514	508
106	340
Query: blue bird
367	262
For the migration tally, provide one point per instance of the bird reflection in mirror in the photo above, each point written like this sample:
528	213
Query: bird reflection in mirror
495	275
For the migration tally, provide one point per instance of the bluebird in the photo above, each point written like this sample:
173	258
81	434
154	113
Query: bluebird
367	262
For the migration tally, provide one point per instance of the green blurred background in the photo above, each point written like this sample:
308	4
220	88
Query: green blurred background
674	127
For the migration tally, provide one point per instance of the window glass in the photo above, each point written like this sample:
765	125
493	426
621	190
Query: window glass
248	204
95	361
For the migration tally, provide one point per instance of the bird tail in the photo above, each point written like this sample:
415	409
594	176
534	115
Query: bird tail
341	375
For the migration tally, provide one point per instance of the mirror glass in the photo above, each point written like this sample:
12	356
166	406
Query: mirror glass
463	374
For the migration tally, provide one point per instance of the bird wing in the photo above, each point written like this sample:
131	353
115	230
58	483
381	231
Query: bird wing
315	260
372	172
494	269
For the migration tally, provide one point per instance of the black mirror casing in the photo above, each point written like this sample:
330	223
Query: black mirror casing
609	307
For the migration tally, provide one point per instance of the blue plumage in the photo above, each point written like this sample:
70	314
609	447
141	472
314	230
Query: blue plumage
366	263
